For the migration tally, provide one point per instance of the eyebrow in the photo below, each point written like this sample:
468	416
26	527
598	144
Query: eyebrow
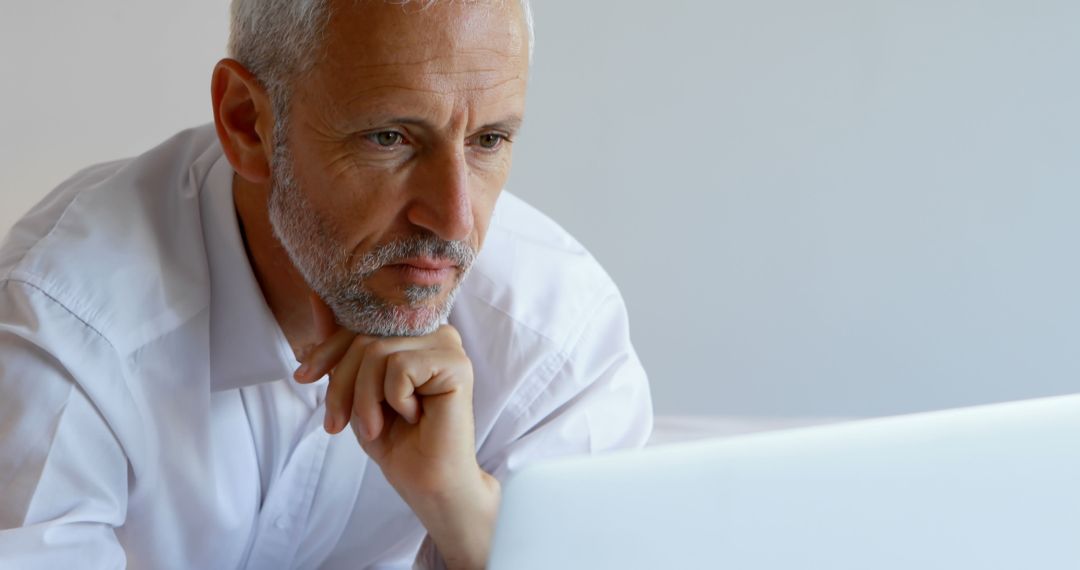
509	124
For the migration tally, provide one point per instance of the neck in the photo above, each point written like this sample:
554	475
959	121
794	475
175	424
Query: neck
282	286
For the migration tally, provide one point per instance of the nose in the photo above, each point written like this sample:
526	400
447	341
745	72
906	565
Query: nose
442	203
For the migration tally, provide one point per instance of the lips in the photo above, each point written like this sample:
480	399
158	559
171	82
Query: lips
424	271
427	263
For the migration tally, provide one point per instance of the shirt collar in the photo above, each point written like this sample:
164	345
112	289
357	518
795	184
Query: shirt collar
247	346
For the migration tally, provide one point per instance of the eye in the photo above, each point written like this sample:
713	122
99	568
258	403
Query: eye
490	141
386	139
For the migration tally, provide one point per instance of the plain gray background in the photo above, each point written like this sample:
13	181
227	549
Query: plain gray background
827	208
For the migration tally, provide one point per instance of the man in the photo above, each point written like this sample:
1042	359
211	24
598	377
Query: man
152	312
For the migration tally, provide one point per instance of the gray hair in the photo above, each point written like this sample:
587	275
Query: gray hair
276	39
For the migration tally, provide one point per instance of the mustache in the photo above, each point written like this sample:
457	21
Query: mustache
458	252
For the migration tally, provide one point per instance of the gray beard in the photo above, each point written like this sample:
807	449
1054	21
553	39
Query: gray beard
325	264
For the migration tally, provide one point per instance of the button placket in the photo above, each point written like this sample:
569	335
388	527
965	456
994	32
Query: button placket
287	505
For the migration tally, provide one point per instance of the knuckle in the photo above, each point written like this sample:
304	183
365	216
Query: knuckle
378	348
458	358
450	333
455	355
396	364
464	367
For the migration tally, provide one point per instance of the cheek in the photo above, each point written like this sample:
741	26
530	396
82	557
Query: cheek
343	184
331	176
483	208
488	183
356	207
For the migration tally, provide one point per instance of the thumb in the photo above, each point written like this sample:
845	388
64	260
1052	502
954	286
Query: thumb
323	318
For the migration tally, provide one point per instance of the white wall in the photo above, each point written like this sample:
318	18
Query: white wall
813	208
828	207
85	82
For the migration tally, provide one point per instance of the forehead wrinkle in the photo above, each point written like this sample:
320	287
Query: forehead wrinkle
394	73
419	70
360	95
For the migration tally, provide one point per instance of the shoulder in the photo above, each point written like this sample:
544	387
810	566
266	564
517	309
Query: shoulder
547	331
532	295
114	244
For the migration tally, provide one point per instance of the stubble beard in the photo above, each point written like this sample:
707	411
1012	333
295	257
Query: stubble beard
328	268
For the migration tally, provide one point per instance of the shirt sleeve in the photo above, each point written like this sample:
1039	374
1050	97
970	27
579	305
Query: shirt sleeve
63	475
598	400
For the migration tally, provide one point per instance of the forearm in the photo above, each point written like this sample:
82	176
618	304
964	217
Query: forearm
461	521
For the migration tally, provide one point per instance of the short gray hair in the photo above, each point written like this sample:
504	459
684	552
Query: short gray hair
276	39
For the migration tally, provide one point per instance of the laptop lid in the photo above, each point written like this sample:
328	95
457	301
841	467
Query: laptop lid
989	487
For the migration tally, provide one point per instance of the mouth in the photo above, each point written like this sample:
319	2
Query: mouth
428	263
424	271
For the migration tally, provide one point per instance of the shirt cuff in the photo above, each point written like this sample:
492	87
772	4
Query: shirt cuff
428	558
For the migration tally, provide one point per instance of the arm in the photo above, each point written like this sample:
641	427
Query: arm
63	476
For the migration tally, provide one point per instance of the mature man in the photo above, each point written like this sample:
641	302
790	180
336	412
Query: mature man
152	312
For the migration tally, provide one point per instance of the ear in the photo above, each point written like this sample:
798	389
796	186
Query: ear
244	118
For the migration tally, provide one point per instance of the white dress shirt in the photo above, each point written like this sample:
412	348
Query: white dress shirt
147	416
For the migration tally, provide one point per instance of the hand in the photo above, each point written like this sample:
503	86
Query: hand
409	402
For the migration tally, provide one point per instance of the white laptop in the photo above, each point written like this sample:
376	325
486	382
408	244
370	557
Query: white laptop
983	488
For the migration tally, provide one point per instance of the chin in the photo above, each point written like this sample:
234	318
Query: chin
419	320
386	318
410	311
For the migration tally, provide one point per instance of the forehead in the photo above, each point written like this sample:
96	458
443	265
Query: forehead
444	48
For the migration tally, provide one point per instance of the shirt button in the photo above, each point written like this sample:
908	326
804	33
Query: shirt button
282	522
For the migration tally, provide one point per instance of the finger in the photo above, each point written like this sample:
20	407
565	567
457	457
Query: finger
405	371
322	358
343	378
367	385
448	336
316	360
439	371
439	381
367	412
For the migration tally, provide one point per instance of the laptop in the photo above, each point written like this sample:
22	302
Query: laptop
983	488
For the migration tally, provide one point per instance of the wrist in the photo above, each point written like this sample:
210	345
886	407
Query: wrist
461	520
